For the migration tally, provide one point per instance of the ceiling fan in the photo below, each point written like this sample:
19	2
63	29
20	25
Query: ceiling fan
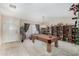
12	6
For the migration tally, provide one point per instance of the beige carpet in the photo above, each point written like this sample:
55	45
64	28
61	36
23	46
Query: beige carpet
38	49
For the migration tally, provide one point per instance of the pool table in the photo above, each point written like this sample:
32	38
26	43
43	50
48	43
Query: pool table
47	39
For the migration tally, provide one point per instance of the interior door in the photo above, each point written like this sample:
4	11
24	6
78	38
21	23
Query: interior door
11	27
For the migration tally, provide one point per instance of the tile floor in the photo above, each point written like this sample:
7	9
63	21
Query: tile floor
27	48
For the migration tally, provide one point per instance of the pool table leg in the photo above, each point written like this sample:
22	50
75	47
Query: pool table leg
49	46
33	40
56	43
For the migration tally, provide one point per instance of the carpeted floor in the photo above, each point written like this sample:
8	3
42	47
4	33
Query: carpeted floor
27	48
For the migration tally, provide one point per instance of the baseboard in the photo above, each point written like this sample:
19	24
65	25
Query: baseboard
10	41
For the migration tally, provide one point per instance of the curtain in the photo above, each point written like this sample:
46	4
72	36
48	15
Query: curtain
75	23
37	27
31	31
26	26
22	33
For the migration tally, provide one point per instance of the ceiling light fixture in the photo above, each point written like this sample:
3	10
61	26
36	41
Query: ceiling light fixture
12	6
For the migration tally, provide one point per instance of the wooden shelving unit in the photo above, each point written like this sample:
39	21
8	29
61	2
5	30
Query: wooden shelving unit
77	36
52	30
60	31
69	33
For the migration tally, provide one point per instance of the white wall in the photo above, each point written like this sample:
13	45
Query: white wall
56	20
10	28
52	20
0	30
28	21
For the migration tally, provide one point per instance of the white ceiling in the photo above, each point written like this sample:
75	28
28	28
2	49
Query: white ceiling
35	11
